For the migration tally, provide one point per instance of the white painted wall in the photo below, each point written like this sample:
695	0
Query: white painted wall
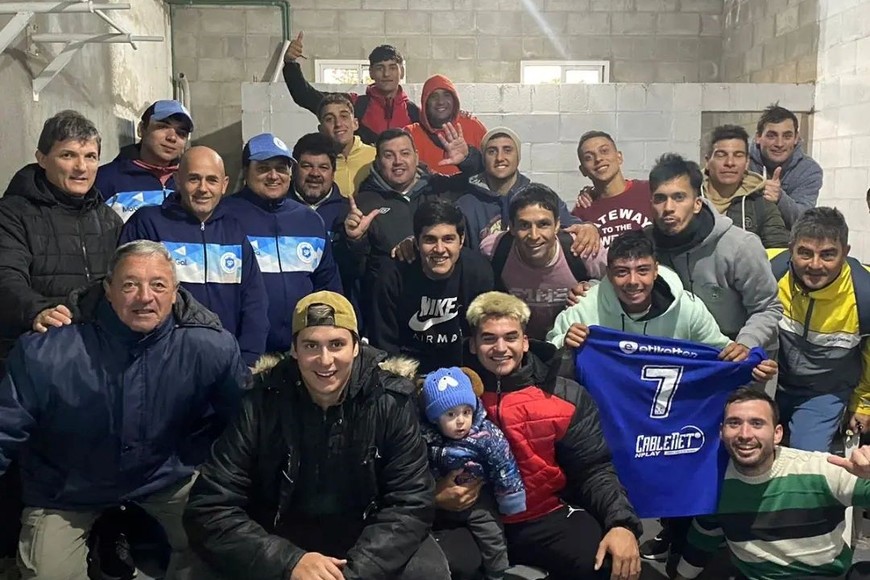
645	119
110	84
841	125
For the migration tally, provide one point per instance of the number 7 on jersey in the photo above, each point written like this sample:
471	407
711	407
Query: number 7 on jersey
668	379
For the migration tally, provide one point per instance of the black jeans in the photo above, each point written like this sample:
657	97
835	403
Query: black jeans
563	543
335	535
463	555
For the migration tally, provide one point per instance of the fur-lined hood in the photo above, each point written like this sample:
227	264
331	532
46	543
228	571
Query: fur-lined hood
401	366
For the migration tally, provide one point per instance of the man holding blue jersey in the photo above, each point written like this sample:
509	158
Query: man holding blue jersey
214	259
290	241
640	296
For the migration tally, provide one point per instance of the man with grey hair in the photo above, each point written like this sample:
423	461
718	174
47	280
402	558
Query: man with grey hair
55	235
216	262
117	409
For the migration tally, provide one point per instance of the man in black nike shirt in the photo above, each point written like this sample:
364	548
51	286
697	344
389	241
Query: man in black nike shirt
419	308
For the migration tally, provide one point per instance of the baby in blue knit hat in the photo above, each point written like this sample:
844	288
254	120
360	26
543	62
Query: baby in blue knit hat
459	436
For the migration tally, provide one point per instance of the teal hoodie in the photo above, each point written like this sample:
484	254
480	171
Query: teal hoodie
676	313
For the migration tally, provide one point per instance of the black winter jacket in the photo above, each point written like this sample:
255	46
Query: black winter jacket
239	503
49	246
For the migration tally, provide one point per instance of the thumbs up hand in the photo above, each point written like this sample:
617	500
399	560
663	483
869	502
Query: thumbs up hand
295	50
773	186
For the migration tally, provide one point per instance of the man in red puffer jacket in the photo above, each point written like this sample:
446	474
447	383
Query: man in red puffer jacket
577	512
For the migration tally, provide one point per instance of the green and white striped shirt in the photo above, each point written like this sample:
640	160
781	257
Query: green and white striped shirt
787	523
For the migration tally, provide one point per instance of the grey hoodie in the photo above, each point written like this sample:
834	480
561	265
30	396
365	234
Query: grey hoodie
801	180
729	271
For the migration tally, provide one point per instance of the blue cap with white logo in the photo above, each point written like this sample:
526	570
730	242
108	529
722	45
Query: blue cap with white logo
162	110
265	146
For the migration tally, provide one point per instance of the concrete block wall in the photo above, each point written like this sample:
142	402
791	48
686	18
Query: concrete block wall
483	41
218	49
841	134
645	119
770	41
109	84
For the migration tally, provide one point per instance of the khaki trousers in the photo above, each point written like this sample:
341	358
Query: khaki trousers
53	546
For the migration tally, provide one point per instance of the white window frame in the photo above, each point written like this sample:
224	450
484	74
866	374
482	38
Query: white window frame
361	64
602	66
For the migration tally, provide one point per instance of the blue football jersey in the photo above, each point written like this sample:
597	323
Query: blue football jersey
661	402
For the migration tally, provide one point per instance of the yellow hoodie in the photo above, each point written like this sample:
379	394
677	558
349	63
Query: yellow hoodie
351	170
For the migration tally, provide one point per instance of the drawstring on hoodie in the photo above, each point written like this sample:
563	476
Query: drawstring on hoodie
645	323
689	274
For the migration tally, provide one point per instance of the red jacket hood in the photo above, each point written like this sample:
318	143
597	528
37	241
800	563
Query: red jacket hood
432	84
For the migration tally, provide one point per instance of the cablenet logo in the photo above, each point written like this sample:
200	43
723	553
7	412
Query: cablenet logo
689	439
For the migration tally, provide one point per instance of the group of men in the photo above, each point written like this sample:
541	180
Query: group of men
140	299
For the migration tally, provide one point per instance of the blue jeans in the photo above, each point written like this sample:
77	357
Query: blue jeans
812	420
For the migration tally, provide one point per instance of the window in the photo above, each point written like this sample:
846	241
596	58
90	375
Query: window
538	72
343	72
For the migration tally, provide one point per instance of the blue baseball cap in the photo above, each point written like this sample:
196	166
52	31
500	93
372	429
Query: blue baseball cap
265	146
162	110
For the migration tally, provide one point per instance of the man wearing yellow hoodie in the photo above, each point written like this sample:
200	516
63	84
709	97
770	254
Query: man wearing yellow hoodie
441	106
354	161
737	192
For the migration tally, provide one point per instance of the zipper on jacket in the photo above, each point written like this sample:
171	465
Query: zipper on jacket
809	317
288	469
498	401
278	246
204	254
84	248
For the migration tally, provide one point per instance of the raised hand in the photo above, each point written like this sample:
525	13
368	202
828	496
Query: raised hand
455	147
356	224
773	186
295	50
858	463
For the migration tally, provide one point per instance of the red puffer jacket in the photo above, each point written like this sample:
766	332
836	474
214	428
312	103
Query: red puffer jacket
554	431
